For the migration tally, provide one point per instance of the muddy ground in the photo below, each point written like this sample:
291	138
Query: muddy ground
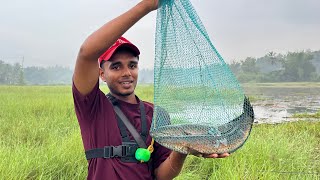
278	104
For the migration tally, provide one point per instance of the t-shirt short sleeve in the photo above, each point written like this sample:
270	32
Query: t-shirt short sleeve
86	105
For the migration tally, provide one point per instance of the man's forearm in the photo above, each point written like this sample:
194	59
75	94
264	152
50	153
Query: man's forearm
171	167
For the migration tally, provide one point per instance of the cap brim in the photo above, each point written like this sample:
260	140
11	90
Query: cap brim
134	49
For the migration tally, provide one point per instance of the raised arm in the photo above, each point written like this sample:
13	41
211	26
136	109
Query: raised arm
86	72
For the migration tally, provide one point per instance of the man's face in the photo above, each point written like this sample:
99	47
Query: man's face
121	73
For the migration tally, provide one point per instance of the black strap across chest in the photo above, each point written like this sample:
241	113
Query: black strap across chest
124	123
126	151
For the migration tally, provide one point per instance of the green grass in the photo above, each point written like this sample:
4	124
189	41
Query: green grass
284	85
307	115
40	139
283	151
255	98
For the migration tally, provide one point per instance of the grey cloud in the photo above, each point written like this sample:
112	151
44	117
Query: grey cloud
51	32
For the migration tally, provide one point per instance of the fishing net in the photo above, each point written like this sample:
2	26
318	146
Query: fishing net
199	104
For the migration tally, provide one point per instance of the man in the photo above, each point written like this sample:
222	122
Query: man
118	61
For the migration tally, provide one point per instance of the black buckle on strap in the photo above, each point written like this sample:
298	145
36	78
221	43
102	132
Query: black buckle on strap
125	151
114	151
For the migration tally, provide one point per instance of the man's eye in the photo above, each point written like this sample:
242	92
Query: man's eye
115	67
132	66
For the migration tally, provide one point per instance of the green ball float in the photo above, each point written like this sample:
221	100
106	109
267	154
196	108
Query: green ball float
142	154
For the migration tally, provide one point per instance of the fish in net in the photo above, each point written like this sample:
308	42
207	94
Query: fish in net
198	103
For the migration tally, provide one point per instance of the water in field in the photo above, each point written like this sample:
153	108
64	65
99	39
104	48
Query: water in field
277	104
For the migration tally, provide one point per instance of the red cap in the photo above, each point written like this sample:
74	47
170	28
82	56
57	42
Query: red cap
119	43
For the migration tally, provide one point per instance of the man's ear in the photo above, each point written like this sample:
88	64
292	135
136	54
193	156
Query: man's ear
101	72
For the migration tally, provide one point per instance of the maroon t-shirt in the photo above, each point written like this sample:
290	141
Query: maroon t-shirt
99	128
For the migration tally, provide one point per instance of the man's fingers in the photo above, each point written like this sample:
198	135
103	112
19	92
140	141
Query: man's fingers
211	155
217	155
198	154
223	155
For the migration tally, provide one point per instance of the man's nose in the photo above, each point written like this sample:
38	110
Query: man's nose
126	72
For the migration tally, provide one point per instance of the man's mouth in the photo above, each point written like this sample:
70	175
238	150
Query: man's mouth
126	84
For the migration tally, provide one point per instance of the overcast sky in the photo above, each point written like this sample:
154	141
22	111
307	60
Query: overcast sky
47	32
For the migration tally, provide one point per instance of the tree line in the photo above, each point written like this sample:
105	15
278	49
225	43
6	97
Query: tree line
273	67
15	74
291	67
11	74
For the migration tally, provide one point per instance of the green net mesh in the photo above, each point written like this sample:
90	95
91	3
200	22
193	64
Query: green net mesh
199	104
